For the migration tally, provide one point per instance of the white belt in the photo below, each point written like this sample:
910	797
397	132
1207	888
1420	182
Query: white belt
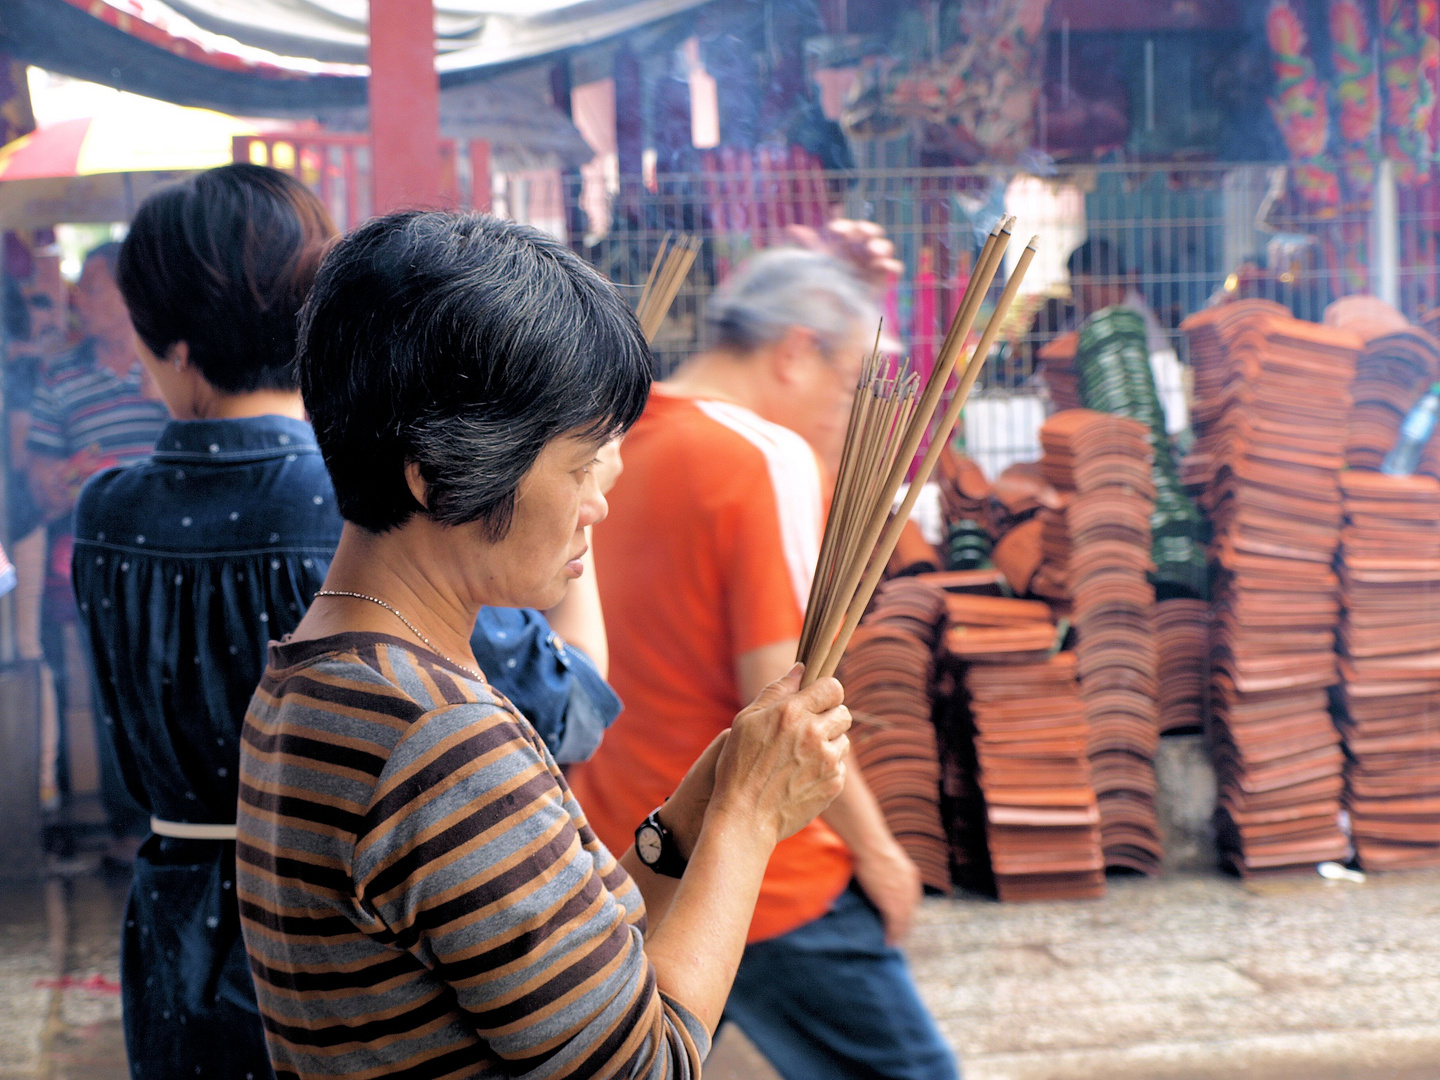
185	830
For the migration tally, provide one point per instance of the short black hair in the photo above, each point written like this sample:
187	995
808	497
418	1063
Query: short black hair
1096	257
223	262
464	344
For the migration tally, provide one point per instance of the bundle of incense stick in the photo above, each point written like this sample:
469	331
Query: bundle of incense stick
884	405
667	273
883	437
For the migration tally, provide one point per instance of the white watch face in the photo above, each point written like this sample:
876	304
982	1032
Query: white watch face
647	845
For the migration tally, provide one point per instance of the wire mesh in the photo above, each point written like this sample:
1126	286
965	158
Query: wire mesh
1172	235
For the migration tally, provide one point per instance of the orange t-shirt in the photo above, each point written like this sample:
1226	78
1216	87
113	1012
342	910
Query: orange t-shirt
712	538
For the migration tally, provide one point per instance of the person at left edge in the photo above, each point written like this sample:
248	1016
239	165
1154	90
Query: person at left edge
91	410
187	565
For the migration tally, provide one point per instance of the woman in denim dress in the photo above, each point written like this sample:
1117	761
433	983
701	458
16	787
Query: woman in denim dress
188	564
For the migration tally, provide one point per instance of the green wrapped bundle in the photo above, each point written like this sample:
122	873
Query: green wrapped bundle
967	546
1112	371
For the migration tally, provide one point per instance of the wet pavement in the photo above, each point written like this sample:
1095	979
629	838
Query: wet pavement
1182	978
60	978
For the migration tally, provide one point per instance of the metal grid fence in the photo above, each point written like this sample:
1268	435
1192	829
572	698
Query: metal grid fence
1174	234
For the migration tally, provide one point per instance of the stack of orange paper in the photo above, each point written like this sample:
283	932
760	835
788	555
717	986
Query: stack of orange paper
1042	823
887	673
1097	555
1272	404
1389	700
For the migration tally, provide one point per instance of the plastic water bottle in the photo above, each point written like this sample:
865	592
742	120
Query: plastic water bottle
1415	432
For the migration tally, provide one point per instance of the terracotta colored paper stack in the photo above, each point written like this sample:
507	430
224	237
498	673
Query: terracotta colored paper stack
962	804
1271	412
964	490
1058	359
1182	647
965	505
913	554
1396	367
1042	823
1389	646
1097	557
1004	512
887	673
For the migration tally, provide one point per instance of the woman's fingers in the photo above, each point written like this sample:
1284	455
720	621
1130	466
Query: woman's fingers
833	723
705	763
779	690
822	695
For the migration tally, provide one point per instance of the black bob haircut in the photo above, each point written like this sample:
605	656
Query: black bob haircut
223	261
464	344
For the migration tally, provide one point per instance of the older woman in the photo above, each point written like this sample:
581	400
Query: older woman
421	894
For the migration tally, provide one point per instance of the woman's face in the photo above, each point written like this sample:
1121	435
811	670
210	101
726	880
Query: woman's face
557	500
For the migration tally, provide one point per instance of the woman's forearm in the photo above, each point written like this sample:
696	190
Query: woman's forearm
697	945
684	814
657	889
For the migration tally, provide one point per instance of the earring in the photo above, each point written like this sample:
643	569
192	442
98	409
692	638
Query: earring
177	365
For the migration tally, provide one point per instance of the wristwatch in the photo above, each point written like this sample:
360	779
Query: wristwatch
656	846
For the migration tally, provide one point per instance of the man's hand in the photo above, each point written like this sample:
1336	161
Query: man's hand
892	882
859	244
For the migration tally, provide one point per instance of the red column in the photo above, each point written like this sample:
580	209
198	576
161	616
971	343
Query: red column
404	104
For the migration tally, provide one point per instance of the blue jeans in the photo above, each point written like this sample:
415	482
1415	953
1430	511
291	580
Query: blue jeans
831	1001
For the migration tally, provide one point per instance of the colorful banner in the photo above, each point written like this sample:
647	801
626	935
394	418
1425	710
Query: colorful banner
1300	108
1357	92
1410	58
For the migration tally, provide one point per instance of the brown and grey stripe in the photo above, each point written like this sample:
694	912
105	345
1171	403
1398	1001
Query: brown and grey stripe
420	892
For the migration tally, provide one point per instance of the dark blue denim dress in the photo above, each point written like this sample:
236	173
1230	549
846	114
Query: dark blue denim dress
185	567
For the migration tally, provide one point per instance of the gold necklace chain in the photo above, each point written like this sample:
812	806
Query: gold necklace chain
412	627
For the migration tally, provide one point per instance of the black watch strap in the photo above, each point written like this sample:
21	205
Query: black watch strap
656	847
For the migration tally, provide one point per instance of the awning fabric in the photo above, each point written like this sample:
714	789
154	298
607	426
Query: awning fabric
262	57
129	134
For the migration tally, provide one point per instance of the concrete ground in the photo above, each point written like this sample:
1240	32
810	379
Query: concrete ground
1182	978
1193	978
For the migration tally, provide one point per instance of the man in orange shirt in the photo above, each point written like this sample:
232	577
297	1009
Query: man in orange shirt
704	567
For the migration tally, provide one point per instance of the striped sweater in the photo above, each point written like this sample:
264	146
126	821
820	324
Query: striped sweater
81	403
420	893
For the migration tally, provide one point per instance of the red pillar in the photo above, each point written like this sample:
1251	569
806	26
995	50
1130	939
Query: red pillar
404	104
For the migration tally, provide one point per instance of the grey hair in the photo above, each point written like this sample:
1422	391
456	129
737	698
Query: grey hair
784	288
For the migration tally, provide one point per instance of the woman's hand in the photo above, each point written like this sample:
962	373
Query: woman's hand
684	812
784	761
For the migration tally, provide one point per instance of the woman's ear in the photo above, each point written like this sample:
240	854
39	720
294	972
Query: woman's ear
419	489
179	355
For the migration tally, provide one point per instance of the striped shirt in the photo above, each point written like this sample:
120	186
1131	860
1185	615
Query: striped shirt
420	893
80	403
